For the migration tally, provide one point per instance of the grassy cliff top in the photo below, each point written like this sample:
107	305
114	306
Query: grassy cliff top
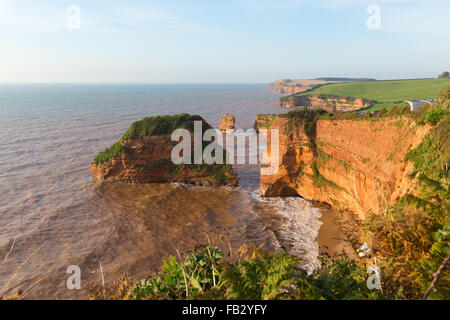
151	126
161	125
430	114
384	90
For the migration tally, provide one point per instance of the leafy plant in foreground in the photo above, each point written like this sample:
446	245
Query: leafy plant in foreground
205	275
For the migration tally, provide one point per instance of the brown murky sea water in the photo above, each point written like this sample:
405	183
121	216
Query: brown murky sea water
53	214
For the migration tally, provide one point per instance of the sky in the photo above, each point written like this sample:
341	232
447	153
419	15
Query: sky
228	41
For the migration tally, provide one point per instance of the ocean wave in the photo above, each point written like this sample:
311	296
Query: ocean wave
295	225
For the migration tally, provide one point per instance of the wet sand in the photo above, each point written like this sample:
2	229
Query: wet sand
331	238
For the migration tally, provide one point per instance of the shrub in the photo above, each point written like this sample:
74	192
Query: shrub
182	280
435	114
340	278
414	234
205	275
431	114
110	152
444	75
151	126
306	117
444	96
159	125
262	277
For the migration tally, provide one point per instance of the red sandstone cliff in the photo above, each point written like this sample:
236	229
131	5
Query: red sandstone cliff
290	86
355	165
328	103
148	160
227	122
287	89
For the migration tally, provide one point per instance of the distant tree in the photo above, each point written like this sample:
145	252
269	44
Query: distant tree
444	75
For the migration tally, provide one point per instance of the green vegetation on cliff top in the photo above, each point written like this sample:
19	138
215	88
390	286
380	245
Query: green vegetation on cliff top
385	91
110	152
430	114
151	126
165	125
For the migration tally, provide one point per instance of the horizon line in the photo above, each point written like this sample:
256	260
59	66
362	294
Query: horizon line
203	83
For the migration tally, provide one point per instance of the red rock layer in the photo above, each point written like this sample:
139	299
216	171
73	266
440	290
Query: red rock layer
329	104
149	161
355	165
227	122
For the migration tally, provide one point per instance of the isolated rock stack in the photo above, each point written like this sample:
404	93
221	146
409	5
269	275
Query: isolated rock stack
144	155
227	122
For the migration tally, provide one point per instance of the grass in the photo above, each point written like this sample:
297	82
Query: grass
151	126
394	111
380	106
306	117
324	157
9	285
266	120
430	114
320	181
217	172
161	125
385	91
109	153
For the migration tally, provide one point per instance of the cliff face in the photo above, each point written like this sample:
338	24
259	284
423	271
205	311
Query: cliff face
328	103
227	122
287	89
355	165
147	159
291	86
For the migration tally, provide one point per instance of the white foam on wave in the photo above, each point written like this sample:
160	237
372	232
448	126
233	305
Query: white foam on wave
295	225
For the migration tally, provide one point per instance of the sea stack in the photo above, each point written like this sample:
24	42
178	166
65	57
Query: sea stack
227	122
143	155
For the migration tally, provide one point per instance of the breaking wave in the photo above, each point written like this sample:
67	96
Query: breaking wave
291	224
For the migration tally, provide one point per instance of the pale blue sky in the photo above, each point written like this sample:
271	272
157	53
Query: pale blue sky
221	41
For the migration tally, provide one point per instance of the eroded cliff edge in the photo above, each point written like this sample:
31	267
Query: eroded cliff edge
143	155
353	164
326	102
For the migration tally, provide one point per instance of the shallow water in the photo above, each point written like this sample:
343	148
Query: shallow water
57	215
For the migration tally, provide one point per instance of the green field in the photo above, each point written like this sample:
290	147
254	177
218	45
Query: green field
379	106
386	92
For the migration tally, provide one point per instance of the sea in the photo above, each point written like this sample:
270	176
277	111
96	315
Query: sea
54	215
